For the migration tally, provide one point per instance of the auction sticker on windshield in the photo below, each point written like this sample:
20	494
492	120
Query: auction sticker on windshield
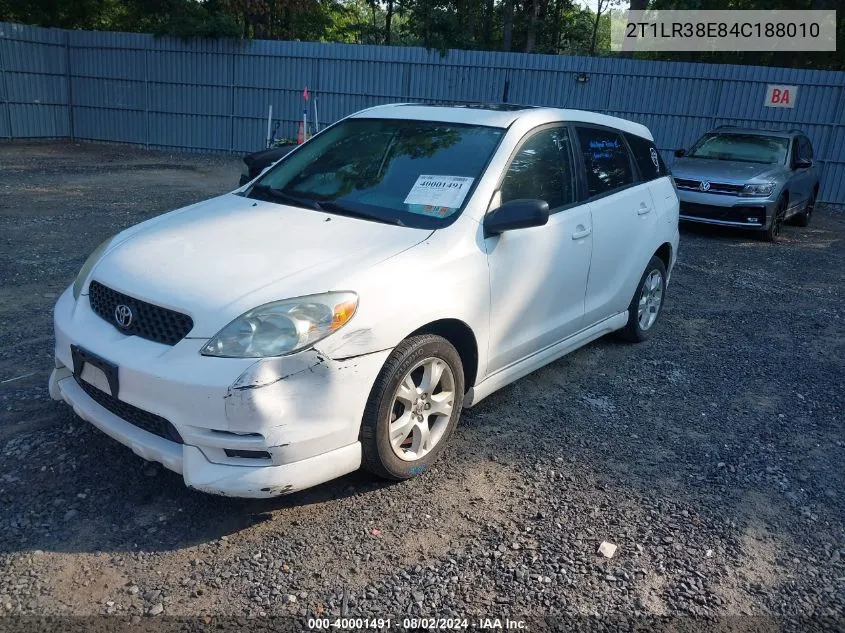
439	191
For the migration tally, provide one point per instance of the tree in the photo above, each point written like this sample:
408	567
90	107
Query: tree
533	19
533	26
601	9
507	30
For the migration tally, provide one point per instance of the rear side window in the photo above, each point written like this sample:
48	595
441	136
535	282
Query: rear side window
648	159
606	159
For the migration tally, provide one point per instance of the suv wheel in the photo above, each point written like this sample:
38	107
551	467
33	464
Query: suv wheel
771	234
645	307
803	218
413	407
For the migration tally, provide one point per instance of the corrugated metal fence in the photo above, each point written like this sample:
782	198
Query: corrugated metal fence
213	95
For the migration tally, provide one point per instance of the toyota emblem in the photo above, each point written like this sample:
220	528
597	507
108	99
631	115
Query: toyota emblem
704	185
123	316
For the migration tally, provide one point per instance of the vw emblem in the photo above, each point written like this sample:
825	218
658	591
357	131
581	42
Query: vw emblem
123	315
704	185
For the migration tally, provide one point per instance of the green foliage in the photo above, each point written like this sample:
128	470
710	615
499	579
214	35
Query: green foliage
538	26
184	18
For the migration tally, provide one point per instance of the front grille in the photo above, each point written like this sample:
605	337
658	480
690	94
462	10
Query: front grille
148	321
715	187
145	420
724	214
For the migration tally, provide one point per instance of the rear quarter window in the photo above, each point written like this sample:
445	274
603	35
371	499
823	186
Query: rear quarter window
649	162
606	160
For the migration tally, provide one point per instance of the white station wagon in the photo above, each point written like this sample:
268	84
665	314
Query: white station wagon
342	308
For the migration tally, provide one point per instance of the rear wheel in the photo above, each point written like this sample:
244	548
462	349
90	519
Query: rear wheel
771	233
644	309
413	407
803	218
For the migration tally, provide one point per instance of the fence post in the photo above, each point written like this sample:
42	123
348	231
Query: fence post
714	107
232	99
5	87
69	80
147	93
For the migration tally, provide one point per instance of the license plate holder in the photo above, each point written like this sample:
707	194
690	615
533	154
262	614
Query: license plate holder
82	356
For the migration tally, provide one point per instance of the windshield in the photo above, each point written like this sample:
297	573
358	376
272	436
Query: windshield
412	173
750	148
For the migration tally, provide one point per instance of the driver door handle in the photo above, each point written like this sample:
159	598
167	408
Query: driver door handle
644	208
581	233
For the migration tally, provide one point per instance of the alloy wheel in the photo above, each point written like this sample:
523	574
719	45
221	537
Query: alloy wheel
421	409
651	298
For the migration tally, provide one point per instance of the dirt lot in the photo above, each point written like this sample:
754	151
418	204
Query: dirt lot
712	455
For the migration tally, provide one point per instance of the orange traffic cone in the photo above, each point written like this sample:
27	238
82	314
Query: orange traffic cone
300	135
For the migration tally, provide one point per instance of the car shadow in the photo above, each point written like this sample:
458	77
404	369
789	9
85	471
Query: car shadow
716	231
96	495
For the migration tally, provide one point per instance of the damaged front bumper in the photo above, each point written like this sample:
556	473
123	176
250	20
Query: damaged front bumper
247	428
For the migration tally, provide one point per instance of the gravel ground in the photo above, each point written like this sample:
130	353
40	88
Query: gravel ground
711	455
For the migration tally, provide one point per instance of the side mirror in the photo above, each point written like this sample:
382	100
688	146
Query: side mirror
802	163
680	152
516	214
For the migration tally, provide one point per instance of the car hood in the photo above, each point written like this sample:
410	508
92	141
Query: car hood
728	171
217	259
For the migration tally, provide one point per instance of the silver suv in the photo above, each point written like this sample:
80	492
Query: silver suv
748	178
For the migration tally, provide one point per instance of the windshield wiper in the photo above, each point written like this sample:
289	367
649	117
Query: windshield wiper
278	194
325	205
342	209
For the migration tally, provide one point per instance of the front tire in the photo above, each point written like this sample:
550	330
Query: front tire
645	307
773	231
413	408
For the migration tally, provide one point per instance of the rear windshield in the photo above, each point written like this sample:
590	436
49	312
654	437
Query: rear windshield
750	148
413	173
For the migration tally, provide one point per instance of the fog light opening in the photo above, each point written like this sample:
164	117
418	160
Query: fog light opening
234	452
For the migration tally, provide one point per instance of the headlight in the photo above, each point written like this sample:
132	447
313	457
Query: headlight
283	327
764	189
92	260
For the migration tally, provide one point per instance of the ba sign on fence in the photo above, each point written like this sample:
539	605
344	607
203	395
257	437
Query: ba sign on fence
780	96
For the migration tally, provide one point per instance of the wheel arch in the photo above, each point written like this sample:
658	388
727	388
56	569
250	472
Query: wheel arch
664	254
461	336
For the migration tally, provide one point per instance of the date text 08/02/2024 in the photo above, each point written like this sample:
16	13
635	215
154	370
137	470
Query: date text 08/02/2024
414	624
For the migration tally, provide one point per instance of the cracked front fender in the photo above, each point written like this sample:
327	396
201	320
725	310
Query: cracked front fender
306	403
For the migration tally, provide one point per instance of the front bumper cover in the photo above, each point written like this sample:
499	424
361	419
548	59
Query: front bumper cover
304	410
726	210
